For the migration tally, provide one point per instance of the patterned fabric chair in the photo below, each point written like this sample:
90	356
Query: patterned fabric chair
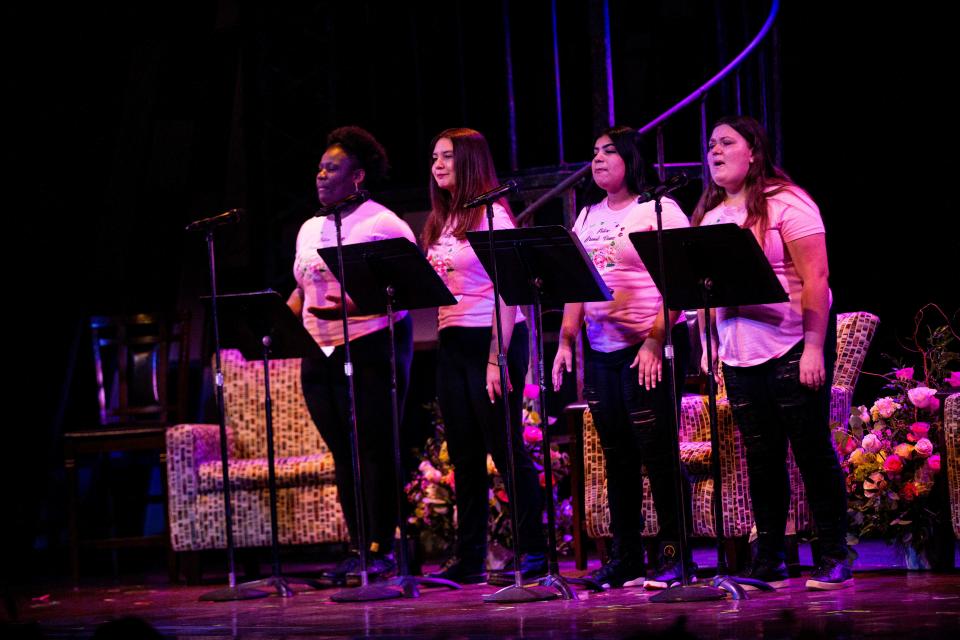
951	436
308	511
854	333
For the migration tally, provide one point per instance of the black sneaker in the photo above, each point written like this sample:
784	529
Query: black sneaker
620	572
462	571
669	574
533	566
379	566
830	574
349	565
772	571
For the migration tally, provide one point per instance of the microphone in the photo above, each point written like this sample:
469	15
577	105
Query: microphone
672	184
492	195
231	215
357	197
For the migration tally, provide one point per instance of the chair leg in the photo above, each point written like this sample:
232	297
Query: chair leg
792	548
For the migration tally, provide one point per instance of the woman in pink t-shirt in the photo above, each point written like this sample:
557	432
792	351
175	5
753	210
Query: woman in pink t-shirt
468	378
353	159
778	358
622	364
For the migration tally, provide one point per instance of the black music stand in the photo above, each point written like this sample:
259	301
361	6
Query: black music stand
709	267
382	277
261	326
543	264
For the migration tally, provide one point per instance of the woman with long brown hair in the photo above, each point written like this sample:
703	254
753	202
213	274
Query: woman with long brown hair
468	378
778	358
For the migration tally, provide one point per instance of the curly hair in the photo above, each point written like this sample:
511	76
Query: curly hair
364	149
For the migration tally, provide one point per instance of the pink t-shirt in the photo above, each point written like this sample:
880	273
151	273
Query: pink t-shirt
753	334
368	222
457	264
627	319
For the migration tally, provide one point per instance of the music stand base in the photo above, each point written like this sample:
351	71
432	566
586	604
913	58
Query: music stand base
690	593
518	593
230	594
410	584
282	584
367	593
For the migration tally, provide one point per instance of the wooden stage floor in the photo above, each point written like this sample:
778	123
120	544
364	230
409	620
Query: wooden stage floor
886	602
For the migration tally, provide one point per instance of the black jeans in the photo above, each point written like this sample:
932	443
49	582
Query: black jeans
475	427
771	407
325	390
634	429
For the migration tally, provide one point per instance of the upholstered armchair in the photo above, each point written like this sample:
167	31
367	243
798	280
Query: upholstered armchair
951	438
308	510
854	333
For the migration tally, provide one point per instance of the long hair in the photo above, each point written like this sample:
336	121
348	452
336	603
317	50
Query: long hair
367	153
474	174
636	175
764	179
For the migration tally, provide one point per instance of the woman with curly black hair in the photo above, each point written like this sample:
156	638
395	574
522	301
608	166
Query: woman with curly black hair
353	158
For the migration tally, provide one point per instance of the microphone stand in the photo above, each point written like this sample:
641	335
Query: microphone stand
515	592
231	591
365	592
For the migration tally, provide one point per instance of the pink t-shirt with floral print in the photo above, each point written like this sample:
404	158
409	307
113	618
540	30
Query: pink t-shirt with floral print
460	269
370	221
604	233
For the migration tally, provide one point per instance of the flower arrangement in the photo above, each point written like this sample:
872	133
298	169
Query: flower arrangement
890	451
432	490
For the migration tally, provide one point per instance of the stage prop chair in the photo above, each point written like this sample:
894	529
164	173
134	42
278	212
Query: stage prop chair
141	363
308	510
854	333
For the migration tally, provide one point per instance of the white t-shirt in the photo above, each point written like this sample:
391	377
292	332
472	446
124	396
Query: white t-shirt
460	269
368	222
604	233
753	334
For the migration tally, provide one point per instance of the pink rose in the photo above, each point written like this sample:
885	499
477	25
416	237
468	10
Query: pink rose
532	434
531	391
871	443
904	374
904	451
893	464
864	414
924	447
934	463
953	380
849	446
933	404
885	407
920	396
918	430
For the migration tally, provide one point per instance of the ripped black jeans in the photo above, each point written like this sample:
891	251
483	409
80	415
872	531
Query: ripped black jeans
771	407
634	428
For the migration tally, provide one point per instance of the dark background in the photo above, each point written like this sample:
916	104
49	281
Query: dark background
126	121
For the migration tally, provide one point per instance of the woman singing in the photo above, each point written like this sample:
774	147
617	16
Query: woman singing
778	358
623	385
352	159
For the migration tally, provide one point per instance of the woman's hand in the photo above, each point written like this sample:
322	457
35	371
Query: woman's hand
493	382
334	310
813	373
563	360
649	363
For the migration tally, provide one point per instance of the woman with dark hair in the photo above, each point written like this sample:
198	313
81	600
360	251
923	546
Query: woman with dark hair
622	364
353	159
468	378
778	358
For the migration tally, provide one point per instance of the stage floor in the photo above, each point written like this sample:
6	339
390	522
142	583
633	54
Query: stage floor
884	602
